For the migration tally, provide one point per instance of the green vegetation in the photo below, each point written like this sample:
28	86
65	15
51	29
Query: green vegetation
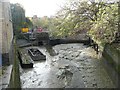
18	18
106	25
2	70
43	22
28	23
98	19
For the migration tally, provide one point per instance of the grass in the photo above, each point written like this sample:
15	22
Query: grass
2	70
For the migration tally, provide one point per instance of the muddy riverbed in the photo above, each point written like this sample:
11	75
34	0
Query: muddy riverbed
73	66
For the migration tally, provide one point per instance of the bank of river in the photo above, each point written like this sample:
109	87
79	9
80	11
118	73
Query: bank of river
73	66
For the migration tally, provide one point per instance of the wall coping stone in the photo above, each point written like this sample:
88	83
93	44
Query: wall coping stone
5	79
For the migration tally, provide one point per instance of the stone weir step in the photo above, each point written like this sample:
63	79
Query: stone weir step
54	42
25	60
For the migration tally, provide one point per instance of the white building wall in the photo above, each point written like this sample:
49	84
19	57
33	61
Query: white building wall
0	27
6	31
0	33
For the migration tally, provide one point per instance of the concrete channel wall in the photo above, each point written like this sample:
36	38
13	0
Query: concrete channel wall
111	56
11	75
111	61
15	74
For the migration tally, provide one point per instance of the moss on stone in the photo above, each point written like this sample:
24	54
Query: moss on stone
15	78
118	69
0	71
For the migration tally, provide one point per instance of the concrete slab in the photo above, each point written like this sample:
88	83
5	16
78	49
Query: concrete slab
5	79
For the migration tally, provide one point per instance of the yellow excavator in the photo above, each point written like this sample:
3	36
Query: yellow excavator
25	29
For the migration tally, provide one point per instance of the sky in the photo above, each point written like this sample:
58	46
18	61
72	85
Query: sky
40	7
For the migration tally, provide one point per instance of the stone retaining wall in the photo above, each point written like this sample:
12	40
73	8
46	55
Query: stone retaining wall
15	74
65	41
111	61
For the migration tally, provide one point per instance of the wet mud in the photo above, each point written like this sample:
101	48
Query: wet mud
71	66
